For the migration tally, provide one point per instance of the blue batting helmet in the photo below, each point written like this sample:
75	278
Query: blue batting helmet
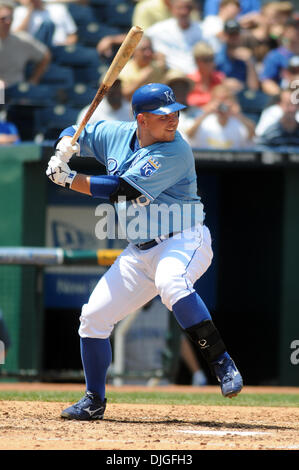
155	98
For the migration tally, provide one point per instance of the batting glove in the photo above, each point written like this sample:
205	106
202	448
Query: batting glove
65	150
60	173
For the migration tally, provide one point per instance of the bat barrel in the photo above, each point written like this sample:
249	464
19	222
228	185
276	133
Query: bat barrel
122	56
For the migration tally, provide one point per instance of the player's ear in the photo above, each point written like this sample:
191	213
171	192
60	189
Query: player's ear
141	119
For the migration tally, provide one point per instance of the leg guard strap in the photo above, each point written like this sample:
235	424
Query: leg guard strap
207	337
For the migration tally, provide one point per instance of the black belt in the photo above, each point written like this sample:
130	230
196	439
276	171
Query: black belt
155	242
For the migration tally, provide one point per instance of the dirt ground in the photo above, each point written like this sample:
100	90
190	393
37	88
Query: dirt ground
38	426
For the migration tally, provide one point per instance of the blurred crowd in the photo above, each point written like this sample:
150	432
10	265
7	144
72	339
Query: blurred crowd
233	63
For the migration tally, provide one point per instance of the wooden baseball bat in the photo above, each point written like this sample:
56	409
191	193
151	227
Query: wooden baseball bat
121	58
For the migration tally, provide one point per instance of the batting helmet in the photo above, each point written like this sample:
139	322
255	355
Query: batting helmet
155	98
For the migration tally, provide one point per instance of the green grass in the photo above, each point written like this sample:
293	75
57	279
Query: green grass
163	397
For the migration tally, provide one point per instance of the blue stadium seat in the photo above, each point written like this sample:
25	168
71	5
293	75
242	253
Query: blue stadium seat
81	95
253	116
51	120
81	14
253	101
89	75
90	34
119	13
99	9
24	93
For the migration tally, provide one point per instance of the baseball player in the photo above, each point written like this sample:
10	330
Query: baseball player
150	172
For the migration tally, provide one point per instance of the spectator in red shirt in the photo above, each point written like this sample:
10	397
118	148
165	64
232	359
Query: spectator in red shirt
206	77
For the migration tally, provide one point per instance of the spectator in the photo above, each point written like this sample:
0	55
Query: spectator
17	50
112	107
235	61
175	37
108	45
277	59
285	131
270	23
148	12
213	25
9	133
248	8
53	24
222	125
182	86
144	67
272	114
290	75
206	77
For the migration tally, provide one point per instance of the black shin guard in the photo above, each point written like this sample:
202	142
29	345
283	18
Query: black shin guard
207	337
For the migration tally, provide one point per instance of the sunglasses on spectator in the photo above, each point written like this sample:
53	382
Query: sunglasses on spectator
294	69
206	58
6	19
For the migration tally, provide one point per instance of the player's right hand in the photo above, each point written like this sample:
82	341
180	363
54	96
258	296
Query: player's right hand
59	172
65	150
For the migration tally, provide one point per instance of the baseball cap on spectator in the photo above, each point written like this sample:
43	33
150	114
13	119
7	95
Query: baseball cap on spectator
293	63
232	27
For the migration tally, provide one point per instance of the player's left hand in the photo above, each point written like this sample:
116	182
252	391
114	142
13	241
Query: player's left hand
59	172
65	150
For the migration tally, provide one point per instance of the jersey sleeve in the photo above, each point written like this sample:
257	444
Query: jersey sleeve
92	141
157	171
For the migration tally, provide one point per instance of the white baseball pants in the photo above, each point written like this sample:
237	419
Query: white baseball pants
169	269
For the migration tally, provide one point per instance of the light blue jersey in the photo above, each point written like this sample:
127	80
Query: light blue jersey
163	172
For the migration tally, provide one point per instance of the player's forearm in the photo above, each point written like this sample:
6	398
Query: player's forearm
81	184
100	186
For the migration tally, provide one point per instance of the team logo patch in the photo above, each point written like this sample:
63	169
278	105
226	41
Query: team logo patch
149	167
111	165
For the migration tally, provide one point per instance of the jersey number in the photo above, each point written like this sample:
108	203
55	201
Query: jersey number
140	201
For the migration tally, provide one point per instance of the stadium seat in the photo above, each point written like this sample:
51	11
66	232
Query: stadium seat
52	120
81	14
253	116
81	95
24	93
119	13
89	75
90	34
253	101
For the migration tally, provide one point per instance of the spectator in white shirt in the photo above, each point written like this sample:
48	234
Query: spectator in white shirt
34	16
274	113
213	25
222	124
112	108
176	36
